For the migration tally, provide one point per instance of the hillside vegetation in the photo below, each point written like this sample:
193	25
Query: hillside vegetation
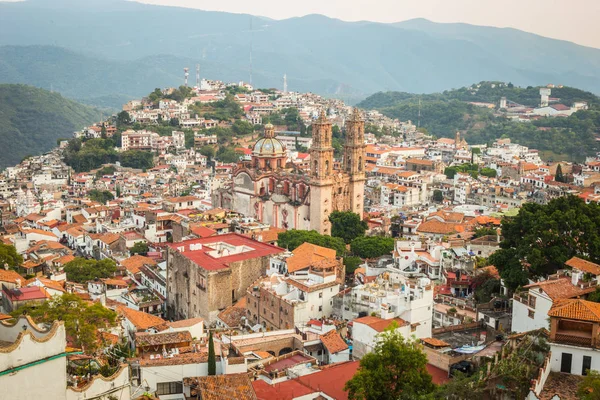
32	119
442	114
119	54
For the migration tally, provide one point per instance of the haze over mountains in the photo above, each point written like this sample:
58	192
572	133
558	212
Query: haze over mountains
106	51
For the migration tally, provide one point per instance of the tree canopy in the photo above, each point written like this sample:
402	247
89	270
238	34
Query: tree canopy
395	369
82	319
293	238
372	246
139	248
589	388
9	256
347	225
101	196
544	237
81	270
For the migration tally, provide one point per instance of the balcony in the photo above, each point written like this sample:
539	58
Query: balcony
573	340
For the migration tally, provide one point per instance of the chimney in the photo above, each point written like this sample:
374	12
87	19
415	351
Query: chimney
18	283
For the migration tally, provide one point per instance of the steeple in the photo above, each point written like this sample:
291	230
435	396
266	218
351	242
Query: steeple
354	147
321	151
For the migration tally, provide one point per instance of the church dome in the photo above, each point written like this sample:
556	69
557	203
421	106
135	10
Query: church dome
268	147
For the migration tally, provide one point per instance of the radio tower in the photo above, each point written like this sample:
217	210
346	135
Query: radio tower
198	76
284	83
185	76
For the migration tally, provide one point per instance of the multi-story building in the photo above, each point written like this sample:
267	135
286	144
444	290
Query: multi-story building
285	301
139	140
531	306
207	275
575	336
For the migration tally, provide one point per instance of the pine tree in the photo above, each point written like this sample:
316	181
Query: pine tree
212	362
559	177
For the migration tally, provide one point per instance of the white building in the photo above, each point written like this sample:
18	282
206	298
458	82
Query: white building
366	332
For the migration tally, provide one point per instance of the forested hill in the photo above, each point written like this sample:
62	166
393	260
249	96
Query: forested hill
485	92
442	114
32	119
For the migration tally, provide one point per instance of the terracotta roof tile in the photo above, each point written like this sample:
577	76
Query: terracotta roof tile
584	265
308	254
141	320
333	342
159	339
133	263
380	324
560	288
8	275
578	309
218	387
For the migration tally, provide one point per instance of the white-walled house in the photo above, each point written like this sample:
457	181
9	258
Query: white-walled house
531	306
366	331
574	336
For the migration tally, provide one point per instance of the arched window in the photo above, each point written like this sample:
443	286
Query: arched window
327	167
316	168
279	163
348	163
360	163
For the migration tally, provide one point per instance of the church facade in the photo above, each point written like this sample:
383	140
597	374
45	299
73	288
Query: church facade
282	195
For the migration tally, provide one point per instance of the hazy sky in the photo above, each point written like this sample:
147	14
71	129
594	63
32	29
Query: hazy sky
573	20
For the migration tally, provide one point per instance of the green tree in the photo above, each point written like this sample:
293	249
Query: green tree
82	320
589	387
123	119
347	225
212	360
450	172
546	236
208	151
352	263
484	231
372	246
395	369
101	196
242	128
559	177
489	172
438	196
137	159
227	154
9	256
293	238
139	248
81	270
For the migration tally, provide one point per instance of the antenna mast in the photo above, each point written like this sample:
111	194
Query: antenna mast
185	76
198	76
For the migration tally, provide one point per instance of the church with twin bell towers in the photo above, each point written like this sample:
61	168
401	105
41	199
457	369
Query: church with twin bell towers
276	192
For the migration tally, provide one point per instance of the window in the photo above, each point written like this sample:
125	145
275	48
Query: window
532	301
320	308
169	388
320	295
531	314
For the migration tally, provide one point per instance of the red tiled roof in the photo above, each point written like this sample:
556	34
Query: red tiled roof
286	390
333	342
584	265
202	258
577	309
331	379
380	324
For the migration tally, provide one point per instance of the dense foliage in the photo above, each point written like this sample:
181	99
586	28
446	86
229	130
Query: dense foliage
9	256
101	196
81	270
139	248
223	110
33	119
372	246
544	237
212	360
441	114
93	153
395	369
347	225
82	319
293	238
589	388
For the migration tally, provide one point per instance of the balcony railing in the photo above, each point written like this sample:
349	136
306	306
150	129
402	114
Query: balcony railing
573	340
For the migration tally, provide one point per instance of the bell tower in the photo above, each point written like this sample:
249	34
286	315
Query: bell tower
321	170
354	160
